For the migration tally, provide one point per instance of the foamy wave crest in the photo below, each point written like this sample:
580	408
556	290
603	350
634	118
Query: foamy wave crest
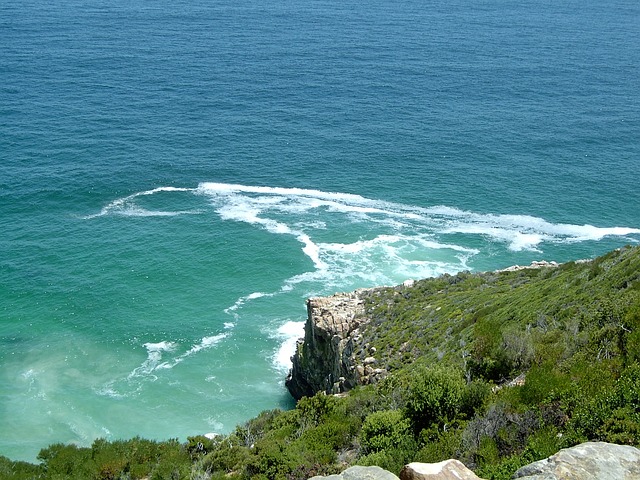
126	206
241	301
154	361
384	260
523	232
288	334
156	353
280	211
205	343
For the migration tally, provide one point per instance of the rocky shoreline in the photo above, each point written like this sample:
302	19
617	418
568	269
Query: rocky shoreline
334	357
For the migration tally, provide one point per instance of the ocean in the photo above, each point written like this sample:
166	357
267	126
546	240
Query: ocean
176	178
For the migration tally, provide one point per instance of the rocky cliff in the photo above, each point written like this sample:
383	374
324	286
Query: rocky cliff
333	357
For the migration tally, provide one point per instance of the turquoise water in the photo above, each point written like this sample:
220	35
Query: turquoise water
176	178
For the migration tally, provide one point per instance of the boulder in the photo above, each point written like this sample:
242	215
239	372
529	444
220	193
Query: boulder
360	473
588	461
447	470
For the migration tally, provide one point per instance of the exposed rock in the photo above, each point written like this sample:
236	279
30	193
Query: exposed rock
447	470
331	358
360	473
534	264
588	461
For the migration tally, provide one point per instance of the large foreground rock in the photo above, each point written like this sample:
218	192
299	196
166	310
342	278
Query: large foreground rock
360	473
447	470
588	461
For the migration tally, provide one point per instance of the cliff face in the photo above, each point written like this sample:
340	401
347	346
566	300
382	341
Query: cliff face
333	356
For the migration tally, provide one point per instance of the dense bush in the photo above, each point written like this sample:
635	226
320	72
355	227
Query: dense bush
435	396
384	430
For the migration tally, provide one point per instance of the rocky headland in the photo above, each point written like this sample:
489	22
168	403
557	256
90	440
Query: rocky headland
333	356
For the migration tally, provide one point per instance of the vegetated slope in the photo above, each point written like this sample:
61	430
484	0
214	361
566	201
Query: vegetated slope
569	336
497	324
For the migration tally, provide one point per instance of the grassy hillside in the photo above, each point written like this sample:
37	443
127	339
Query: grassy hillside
496	369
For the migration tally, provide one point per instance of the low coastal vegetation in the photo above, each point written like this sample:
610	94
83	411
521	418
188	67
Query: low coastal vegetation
496	369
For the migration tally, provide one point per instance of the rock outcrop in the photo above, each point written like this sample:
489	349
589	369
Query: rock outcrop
534	264
447	470
587	461
360	473
332	356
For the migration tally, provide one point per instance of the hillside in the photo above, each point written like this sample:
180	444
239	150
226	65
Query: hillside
496	369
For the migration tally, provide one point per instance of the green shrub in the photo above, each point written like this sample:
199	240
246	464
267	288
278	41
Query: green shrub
19	470
474	398
313	410
66	461
391	460
199	446
384	430
226	458
448	444
271	460
435	396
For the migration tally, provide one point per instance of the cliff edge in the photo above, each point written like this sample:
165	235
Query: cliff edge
333	356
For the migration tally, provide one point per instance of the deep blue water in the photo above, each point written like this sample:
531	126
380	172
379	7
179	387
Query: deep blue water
177	177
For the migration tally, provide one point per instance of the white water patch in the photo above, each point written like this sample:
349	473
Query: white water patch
126	206
240	302
284	211
524	232
288	334
161	356
154	360
383	260
205	343
310	216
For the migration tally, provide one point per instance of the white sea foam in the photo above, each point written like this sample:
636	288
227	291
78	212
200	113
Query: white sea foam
206	342
108	390
156	352
225	188
410	241
154	359
288	333
126	206
523	232
407	235
242	300
260	205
